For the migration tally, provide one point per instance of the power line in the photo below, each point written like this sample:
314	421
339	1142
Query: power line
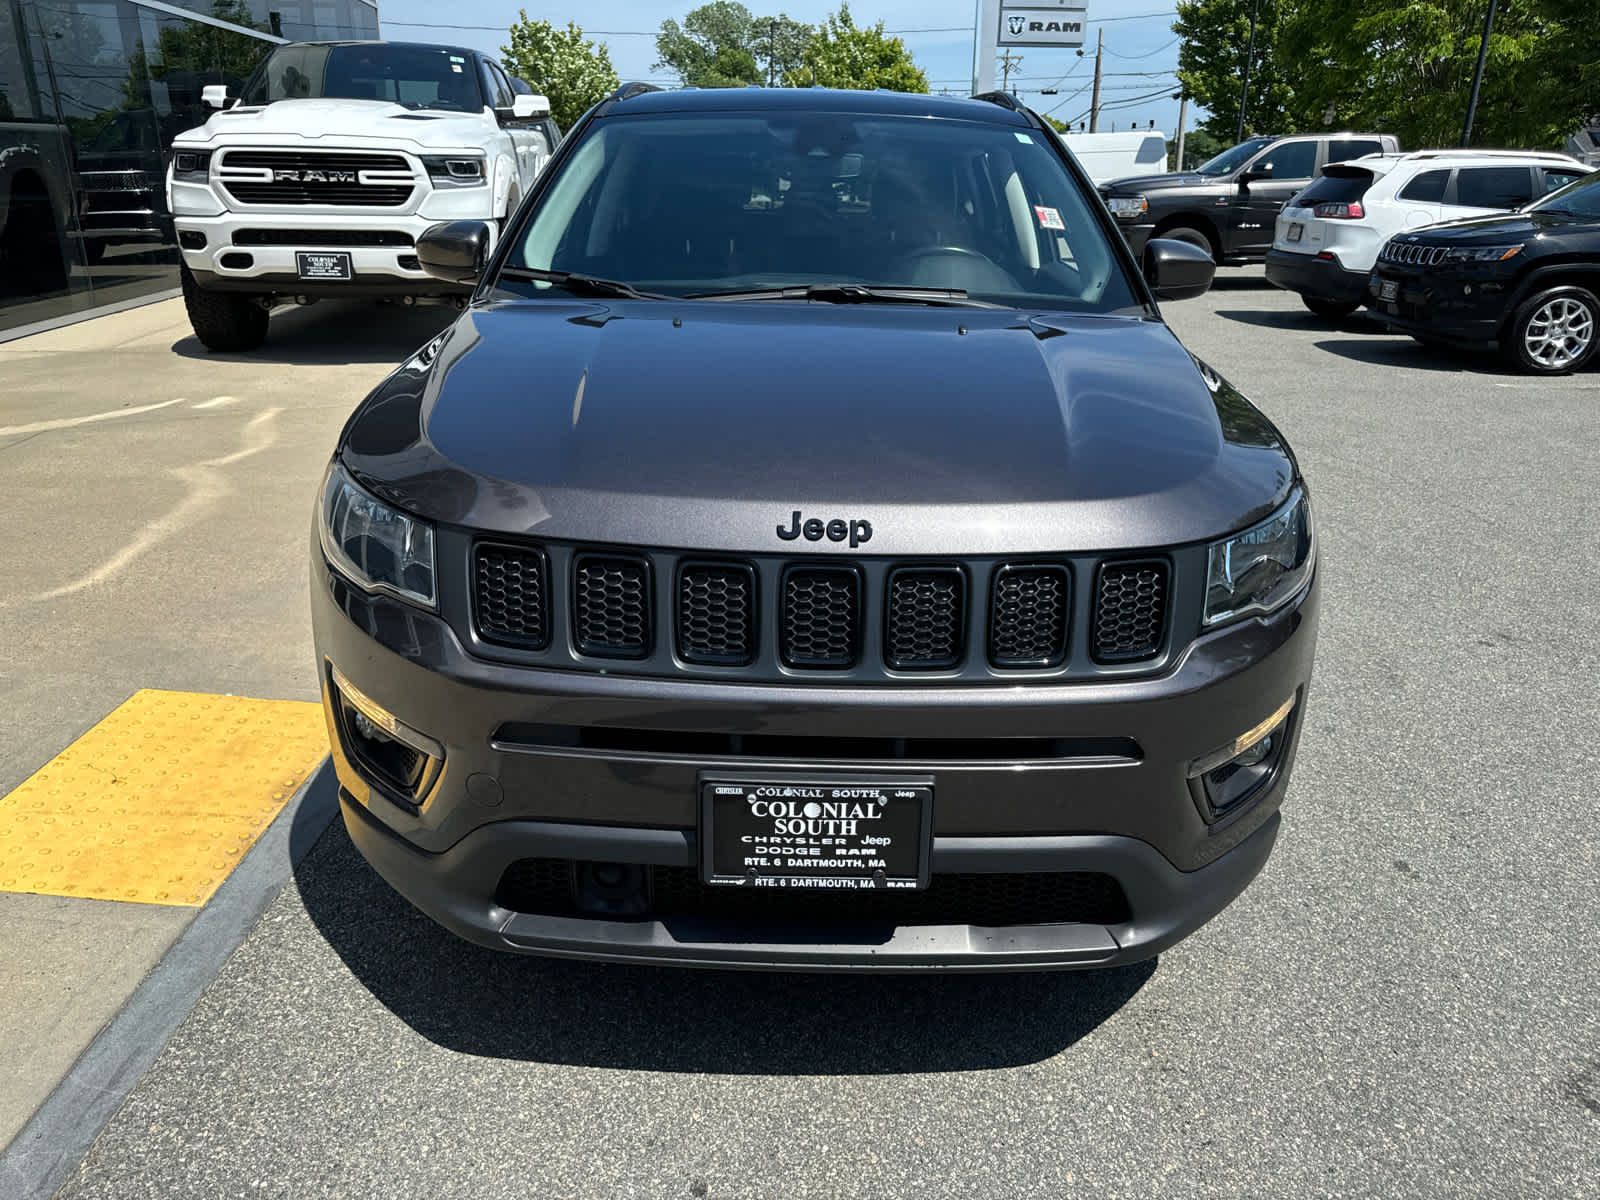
1148	53
647	32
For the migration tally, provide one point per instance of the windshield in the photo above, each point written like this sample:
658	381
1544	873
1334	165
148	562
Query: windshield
415	76
1233	158
1581	198
685	204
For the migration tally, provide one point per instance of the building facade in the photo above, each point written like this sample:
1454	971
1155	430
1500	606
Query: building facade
92	92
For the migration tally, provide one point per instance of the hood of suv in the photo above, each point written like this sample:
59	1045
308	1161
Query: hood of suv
341	120
1496	228
704	424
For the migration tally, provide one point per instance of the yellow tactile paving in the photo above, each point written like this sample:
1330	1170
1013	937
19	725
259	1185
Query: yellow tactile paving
158	802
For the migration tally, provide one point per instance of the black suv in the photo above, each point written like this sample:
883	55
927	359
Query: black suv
1526	282
1229	205
811	549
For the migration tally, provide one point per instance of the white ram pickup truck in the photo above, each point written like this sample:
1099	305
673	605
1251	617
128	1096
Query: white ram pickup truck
317	179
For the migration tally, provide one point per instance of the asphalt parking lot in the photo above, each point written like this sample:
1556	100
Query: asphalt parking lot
1402	1005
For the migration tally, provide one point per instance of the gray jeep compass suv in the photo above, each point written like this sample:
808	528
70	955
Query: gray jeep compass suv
811	549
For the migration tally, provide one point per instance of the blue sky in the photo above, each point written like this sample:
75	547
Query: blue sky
1138	50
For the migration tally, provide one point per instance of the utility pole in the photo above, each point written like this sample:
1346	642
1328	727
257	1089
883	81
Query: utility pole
1094	103
1249	55
772	50
1183	111
1477	76
1007	61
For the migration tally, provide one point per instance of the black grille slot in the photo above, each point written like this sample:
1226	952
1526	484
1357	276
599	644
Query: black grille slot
1130	612
717	614
511	595
322	160
611	606
545	886
926	618
821	625
343	195
321	237
1028	616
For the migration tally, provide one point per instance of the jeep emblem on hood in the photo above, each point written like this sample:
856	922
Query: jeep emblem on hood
835	530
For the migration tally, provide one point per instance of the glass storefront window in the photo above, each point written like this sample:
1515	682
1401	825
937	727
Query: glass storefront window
92	92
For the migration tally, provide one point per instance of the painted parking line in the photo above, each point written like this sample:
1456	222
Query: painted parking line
160	801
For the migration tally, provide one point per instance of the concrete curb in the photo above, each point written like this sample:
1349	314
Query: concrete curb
59	1135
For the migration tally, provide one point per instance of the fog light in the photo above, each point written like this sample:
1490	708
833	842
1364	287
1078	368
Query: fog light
385	750
1225	780
366	729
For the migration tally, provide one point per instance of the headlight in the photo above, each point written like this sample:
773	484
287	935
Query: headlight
456	171
378	548
1482	254
1127	208
1260	569
192	165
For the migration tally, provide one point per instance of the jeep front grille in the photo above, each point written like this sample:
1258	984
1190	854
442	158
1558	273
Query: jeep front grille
1130	614
1028	616
927	618
821	625
771	617
1410	255
611	606
717	613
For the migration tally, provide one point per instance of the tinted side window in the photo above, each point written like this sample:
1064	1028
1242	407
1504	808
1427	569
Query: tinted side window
494	86
1494	187
1557	177
1428	188
1292	160
1344	149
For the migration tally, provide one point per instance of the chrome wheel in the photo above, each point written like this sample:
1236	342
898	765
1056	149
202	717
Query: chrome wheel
1559	333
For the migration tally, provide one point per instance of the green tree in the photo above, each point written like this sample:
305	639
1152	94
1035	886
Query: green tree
559	63
843	55
714	47
1405	67
780	45
1198	146
1215	35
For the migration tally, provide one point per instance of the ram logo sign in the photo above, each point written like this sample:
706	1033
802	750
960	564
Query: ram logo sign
1060	25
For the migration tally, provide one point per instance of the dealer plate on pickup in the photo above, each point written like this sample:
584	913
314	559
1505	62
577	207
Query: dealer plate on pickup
323	264
809	832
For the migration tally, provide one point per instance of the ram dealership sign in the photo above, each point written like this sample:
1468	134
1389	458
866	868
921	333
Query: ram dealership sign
1038	25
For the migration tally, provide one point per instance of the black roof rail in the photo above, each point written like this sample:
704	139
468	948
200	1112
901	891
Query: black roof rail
1003	99
629	90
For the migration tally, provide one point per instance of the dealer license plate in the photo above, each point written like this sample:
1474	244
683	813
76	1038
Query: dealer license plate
1295	230
816	833
1388	289
323	264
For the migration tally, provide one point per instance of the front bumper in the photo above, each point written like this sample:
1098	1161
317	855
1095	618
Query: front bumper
499	799
1461	306
1136	234
1319	278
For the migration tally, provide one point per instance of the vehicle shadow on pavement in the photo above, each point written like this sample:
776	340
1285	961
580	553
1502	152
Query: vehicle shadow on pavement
337	332
1301	319
1241	280
477	1001
1405	352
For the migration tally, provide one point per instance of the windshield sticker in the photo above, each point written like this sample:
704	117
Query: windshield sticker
1049	218
456	67
1024	139
457	58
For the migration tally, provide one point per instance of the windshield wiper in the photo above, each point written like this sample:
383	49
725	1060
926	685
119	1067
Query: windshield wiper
852	293
581	285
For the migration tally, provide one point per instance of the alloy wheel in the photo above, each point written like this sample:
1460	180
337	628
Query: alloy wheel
1559	332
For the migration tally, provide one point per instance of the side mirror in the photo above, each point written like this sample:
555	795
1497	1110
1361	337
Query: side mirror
1177	270
455	252
215	95
1259	171
528	108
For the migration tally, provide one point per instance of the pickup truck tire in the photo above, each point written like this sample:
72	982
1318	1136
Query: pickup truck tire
1331	310
223	321
1187	233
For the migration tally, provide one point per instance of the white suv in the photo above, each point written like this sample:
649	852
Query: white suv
335	158
1328	236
